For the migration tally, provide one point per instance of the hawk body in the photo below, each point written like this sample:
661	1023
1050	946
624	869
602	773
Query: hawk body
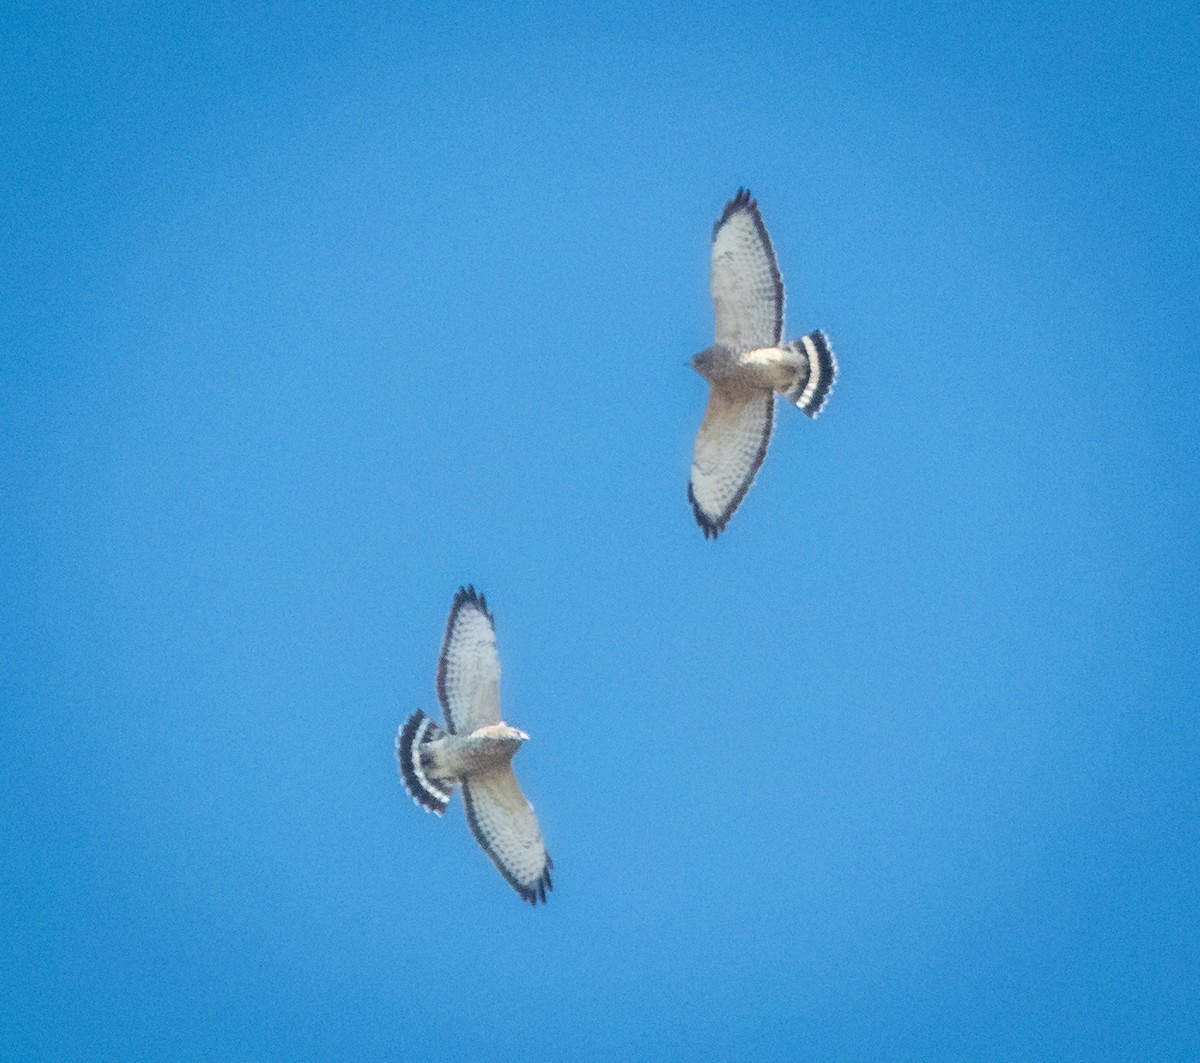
475	751
747	365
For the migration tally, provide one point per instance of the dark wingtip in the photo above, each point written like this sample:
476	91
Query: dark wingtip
543	885
469	596
538	890
710	527
740	201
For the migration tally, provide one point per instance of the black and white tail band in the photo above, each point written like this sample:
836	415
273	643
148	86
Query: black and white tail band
812	388
428	792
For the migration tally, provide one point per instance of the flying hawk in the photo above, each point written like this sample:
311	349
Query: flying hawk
746	365
475	751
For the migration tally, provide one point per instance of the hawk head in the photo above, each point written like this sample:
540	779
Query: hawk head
502	738
704	362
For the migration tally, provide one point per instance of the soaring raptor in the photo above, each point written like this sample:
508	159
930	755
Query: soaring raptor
746	365
475	751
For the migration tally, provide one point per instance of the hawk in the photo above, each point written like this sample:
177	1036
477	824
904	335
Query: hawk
746	365
475	751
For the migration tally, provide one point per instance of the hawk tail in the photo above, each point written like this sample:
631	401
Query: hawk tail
429	791
818	370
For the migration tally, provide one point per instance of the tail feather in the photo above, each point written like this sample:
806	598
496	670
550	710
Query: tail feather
818	370
427	790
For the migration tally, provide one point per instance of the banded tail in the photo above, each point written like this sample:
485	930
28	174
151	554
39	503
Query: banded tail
426	789
815	382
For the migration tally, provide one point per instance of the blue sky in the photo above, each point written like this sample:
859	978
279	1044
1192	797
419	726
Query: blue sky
308	316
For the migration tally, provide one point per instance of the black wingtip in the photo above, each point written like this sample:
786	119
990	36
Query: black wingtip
710	527
469	596
537	892
741	201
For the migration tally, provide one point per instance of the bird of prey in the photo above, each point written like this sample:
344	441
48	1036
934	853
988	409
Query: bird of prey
475	751
746	365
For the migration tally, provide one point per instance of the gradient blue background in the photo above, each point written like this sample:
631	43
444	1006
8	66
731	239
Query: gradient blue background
308	316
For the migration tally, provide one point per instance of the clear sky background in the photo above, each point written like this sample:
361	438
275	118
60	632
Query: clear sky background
310	314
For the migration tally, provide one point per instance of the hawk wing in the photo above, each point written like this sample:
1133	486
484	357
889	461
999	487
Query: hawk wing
747	290
730	446
468	678
506	828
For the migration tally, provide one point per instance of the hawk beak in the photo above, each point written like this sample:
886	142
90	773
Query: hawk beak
523	736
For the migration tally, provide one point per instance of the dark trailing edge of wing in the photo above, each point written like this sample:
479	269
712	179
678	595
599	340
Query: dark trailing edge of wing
742	201
417	730
465	596
713	526
531	893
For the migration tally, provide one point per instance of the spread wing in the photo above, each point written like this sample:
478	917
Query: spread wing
505	826
468	678
730	446
747	290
